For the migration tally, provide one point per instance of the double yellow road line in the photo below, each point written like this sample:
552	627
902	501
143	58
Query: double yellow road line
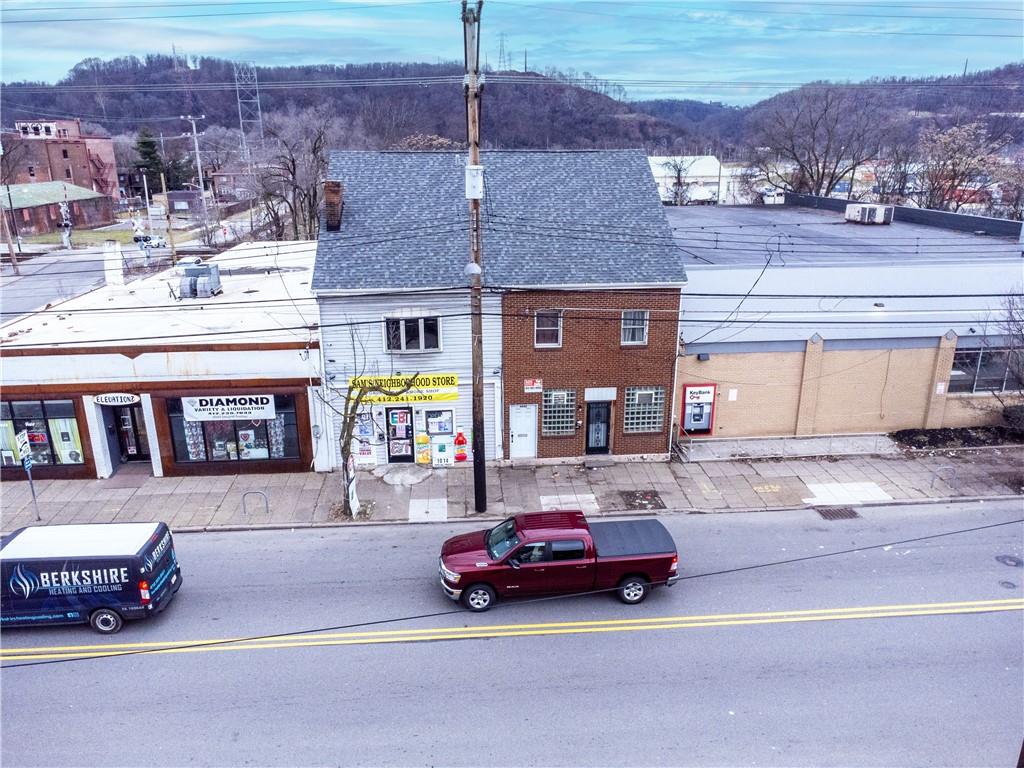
15	655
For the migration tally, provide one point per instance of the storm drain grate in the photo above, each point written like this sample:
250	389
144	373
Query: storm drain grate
642	500
837	513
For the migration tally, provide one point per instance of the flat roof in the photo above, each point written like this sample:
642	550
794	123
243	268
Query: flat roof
44	193
266	298
746	235
93	540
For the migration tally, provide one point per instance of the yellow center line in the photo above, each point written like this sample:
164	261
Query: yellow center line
513	630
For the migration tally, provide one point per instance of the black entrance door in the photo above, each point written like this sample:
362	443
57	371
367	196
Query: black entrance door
131	432
399	434
597	427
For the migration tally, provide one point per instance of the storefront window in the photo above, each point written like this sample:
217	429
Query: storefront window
238	440
52	432
985	370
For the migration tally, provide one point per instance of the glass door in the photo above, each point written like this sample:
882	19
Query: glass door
597	427
400	435
131	432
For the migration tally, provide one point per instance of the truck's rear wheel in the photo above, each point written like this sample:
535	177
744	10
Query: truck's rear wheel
633	589
106	621
478	597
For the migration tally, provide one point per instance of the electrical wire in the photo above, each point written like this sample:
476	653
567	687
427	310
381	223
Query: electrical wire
517	603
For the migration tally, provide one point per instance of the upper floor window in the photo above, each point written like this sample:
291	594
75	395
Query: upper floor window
986	370
47	130
64	154
634	326
547	328
32	171
412	334
67	173
62	132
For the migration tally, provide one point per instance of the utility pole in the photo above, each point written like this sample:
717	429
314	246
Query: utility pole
7	228
149	205
199	166
474	192
167	216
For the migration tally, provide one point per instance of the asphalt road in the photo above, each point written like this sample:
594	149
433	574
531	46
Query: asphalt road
49	278
902	655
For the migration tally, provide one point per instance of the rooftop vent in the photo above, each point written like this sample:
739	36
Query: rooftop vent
862	213
200	281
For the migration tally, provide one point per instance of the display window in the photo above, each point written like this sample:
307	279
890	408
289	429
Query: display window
52	429
235	440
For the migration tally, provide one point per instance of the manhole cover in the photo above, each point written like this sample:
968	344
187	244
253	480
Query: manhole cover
1011	560
837	513
642	500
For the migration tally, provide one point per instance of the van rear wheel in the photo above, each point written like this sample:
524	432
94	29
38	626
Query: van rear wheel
633	589
106	621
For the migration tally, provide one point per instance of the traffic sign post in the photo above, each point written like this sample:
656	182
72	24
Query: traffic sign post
25	452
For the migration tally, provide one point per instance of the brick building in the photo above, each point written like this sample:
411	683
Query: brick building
798	322
581	282
34	209
57	150
589	372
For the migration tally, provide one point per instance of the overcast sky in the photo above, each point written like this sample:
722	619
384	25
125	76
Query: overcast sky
726	42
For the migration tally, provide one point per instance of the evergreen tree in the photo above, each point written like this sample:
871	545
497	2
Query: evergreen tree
150	162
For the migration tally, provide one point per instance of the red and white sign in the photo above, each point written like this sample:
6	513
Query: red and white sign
533	385
704	393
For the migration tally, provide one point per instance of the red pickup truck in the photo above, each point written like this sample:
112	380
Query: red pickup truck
543	553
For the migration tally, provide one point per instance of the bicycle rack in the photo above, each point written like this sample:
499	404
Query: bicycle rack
937	474
266	501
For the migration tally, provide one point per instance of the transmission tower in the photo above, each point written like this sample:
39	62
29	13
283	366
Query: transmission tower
250	116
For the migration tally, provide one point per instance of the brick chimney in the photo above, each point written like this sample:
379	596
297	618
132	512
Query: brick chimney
334	203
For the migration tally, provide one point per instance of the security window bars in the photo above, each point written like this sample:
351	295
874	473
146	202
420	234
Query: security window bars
559	412
547	329
634	327
645	409
412	334
986	370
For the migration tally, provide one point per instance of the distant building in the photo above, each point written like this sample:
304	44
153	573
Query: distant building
687	179
57	150
36	207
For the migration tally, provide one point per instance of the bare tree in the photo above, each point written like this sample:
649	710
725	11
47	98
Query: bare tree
422	142
386	119
679	167
957	165
15	152
1009	179
126	155
293	165
220	148
810	139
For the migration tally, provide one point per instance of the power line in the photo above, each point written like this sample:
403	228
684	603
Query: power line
320	9
508	606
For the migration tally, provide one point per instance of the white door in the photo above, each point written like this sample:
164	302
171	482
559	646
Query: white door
522	430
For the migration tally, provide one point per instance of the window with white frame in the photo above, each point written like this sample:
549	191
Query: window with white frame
412	334
634	326
645	409
986	370
558	412
547	328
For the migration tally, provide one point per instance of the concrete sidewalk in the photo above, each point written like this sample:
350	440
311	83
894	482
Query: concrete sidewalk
407	493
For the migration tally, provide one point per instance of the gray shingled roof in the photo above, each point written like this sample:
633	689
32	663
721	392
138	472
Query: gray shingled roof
550	218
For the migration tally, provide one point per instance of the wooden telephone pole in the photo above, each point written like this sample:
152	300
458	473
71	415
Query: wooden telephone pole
474	192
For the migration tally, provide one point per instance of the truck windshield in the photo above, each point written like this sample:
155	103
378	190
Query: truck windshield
501	538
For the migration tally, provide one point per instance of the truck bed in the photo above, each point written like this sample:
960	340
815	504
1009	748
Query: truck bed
631	537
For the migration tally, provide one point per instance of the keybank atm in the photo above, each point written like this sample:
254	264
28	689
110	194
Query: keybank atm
698	407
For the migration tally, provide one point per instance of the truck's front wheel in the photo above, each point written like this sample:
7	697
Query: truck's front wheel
478	597
633	589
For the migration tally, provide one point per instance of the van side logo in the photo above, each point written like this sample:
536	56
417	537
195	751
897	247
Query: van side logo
23	582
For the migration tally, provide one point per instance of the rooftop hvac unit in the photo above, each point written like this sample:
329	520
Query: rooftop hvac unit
862	213
200	281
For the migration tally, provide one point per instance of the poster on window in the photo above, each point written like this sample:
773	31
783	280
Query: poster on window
228	408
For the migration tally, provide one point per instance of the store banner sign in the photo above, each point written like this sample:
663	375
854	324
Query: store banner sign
701	394
116	398
228	408
425	388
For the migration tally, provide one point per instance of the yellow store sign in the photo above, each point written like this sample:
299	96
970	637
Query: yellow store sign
426	388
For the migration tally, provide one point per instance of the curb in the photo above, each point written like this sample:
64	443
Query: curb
235	528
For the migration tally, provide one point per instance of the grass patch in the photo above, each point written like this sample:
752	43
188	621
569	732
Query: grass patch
84	237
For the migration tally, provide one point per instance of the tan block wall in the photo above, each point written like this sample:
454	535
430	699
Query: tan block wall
767	388
874	390
972	410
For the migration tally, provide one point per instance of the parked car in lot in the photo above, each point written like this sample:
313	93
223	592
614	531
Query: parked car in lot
100	574
542	553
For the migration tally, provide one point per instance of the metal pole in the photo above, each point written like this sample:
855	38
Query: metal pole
167	216
32	488
199	165
471	22
14	221
10	242
149	205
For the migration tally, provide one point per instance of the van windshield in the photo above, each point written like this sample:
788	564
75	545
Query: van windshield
501	538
